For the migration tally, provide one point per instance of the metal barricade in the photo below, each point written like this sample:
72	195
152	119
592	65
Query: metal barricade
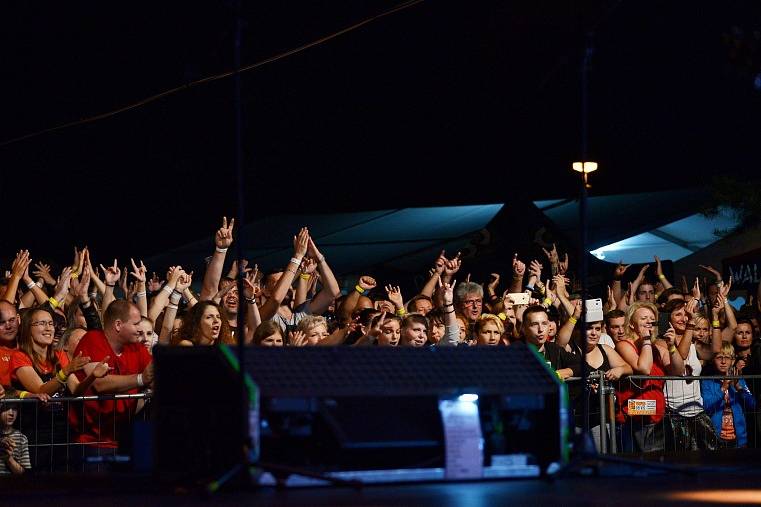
77	434
671	415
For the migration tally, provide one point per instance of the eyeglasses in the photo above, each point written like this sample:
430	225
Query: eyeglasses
473	302
43	323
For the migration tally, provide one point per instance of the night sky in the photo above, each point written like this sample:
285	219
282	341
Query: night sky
442	103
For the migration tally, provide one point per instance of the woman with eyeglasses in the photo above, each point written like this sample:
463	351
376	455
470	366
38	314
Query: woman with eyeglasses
727	400
36	367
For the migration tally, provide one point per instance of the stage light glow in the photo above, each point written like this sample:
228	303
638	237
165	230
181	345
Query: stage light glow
722	496
468	398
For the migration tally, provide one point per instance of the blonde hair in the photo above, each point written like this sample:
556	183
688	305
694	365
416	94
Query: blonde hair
311	321
727	349
630	334
487	318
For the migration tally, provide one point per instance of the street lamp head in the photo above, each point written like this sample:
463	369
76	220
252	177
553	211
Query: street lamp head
584	167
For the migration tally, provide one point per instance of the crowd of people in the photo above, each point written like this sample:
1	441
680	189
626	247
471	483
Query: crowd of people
69	335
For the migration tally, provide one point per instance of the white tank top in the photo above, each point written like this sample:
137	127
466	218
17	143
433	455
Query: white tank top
683	397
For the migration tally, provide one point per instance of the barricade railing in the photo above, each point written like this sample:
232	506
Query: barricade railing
669	415
78	434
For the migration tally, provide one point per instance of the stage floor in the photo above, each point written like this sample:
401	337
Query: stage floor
661	489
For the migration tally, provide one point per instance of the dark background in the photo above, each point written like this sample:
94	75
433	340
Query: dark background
447	102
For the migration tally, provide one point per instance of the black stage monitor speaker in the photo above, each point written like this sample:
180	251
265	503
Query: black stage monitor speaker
377	414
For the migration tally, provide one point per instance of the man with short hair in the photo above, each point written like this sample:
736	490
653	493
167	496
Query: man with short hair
535	329
614	325
101	423
9	322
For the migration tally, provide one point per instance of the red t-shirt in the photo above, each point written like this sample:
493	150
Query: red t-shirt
46	371
5	366
101	421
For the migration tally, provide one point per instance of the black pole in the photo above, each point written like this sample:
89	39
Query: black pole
240	243
583	264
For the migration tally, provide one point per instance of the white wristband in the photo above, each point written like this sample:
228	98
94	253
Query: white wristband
175	298
30	285
140	380
220	250
140	294
167	289
172	307
295	261
40	284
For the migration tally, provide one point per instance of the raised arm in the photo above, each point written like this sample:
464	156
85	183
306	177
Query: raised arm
308	267
250	291
19	267
111	275
300	245
618	275
330	289
364	284
161	299
519	269
139	274
222	241
434	275
727	334
659	272
451	336
566	330
37	294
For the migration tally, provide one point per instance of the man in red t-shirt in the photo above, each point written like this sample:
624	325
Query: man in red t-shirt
9	321
99	423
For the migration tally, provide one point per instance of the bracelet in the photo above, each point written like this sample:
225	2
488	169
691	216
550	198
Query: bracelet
661	277
220	250
295	261
452	311
672	349
61	376
54	302
40	284
501	316
30	285
175	298
167	289
572	320
140	380
547	301
74	275
305	276
171	306
359	289
93	295
110	285
292	271
192	301
401	312
140	294
251	301
716	324
320	259
23	394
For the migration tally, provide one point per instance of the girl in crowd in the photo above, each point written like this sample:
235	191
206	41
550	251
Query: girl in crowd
268	334
490	330
205	324
647	356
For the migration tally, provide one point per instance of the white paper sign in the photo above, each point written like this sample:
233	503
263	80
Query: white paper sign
463	439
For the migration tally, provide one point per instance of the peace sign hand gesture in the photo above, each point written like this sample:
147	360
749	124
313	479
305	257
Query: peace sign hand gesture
224	236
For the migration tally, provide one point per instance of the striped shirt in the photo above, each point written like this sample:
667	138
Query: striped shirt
20	451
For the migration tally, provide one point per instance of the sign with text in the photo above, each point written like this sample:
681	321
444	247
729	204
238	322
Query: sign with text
641	407
744	269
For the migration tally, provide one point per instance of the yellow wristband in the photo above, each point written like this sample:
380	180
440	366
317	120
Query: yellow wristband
572	319
54	302
75	275
401	312
672	349
23	394
305	276
662	277
547	301
716	324
502	316
359	289
62	375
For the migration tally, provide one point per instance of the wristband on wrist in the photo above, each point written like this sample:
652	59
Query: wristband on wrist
74	275
661	277
305	276
295	261
572	319
716	324
23	394
30	285
140	380
401	312
547	301
61	376
111	285
40	284
501	316
140	294
359	289
167	289
172	306
175	298
220	250
672	349
54	302
251	301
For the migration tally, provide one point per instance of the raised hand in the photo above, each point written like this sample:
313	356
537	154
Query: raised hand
696	289
560	289
691	308
314	253
184	280
618	273
42	270
447	292
384	306
535	269
111	274
711	270
718	306
297	338
124	285
375	330
658	267
552	255
367	282
440	264
491	287
395	296
224	236
610	302
641	275
251	287
563	265
138	273
670	336
578	304
452	266
20	264
519	268
724	288
62	287
301	243
79	287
